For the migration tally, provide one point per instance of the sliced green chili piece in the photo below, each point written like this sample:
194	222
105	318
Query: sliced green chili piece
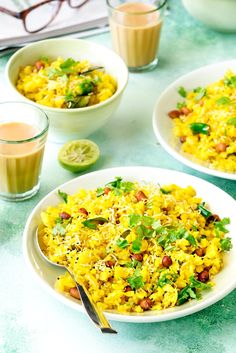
200	128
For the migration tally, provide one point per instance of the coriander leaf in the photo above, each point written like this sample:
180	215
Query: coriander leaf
185	294
119	186
180	105
44	58
51	72
134	220
136	245
194	283
231	81
223	101
85	87
122	243
63	195
68	63
58	220
133	264
100	192
182	92
226	244
58	230
201	92
136	281
92	223
220	225
232	121
191	239
115	183
204	211
200	128
164	280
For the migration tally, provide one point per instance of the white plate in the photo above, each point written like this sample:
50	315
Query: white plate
220	202
163	125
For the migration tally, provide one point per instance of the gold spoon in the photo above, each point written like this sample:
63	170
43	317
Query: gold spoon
94	313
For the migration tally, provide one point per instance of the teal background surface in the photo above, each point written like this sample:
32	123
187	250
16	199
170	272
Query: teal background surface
31	321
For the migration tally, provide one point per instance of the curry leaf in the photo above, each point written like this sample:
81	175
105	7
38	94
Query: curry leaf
92	223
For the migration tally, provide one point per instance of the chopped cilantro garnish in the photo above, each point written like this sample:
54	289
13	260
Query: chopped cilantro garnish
192	291
182	92
220	225
223	101
68	63
63	195
58	230
164	280
231	81
226	244
180	105
136	245
232	121
201	92
44	58
122	243
169	236
117	186
136	280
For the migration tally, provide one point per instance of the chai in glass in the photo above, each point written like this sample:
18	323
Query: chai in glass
22	142
136	29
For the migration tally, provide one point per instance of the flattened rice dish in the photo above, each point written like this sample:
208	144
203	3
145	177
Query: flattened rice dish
65	83
134	246
205	123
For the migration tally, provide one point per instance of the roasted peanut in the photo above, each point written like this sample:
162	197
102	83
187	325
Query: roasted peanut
166	261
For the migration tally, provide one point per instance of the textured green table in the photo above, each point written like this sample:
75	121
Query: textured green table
31	321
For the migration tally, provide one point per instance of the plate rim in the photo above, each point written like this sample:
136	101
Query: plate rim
164	315
177	155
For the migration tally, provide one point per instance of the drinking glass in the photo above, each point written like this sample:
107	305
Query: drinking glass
136	28
23	133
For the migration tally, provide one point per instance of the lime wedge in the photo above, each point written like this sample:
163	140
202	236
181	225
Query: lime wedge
78	155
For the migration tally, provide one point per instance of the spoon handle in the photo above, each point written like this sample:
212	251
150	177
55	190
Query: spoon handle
92	310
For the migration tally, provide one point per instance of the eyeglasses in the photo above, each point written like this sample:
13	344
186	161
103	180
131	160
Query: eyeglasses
39	16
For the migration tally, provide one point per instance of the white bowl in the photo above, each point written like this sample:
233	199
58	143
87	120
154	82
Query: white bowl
163	125
69	124
217	14
220	202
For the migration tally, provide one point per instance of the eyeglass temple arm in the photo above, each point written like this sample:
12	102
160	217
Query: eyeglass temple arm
10	13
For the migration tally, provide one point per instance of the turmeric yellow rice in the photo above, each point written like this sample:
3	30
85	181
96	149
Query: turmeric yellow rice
205	123
135	247
65	83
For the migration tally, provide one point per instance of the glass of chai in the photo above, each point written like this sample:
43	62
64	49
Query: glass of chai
135	28
23	133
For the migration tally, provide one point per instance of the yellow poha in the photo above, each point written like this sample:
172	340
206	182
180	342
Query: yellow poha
206	123
134	246
65	83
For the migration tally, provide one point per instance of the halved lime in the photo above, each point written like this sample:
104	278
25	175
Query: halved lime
78	155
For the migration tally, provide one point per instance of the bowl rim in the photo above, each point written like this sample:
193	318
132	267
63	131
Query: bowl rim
118	92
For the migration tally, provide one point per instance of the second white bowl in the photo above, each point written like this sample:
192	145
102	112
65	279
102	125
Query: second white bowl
68	124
